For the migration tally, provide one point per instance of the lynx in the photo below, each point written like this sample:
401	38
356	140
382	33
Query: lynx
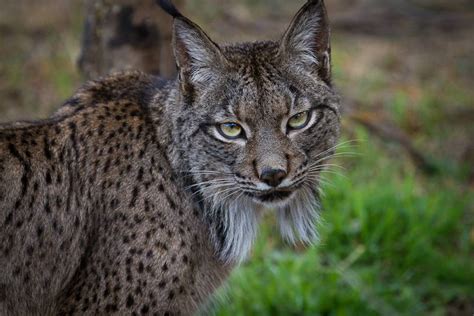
140	195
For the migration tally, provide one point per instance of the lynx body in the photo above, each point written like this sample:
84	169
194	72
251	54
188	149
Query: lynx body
140	195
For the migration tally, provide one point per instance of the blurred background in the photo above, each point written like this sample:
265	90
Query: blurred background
397	226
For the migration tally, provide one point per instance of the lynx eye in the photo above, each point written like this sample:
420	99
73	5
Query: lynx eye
230	130
299	121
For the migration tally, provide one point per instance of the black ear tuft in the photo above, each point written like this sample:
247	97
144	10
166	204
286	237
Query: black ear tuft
169	7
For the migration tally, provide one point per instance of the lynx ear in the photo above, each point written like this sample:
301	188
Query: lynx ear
198	58
307	40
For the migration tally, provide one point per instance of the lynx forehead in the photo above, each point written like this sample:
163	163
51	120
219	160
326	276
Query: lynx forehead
139	195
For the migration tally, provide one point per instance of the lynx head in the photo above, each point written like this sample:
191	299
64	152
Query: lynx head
254	124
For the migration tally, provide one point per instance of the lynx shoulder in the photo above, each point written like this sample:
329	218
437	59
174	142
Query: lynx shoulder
139	195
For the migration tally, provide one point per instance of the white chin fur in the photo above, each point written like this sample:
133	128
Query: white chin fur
297	220
297	217
240	219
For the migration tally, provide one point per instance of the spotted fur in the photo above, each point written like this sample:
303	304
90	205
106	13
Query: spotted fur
127	200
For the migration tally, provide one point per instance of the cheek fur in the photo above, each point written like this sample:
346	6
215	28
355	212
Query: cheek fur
216	155
319	136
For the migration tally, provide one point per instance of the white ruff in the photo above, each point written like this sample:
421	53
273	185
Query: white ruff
297	220
240	218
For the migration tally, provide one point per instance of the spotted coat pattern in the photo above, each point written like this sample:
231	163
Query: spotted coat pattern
104	207
91	219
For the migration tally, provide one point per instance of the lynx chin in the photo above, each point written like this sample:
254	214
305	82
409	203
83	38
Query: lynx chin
139	195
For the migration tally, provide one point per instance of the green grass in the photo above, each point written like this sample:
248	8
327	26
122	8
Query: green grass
392	243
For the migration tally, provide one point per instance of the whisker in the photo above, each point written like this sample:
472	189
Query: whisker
218	200
327	171
224	198
323	166
214	181
334	173
318	180
199	172
326	182
336	155
337	146
214	186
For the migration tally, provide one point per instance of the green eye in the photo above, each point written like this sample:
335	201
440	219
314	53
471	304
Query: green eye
230	130
298	121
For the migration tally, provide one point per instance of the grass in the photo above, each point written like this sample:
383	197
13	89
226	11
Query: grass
392	243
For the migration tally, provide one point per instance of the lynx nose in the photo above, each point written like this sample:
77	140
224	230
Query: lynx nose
273	177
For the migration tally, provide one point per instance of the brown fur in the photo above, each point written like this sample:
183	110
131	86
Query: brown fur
92	220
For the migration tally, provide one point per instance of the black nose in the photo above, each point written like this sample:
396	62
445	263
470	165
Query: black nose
273	177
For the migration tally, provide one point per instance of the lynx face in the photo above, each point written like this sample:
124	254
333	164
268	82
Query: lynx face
257	123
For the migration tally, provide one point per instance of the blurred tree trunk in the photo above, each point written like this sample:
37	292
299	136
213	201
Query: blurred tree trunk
126	34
